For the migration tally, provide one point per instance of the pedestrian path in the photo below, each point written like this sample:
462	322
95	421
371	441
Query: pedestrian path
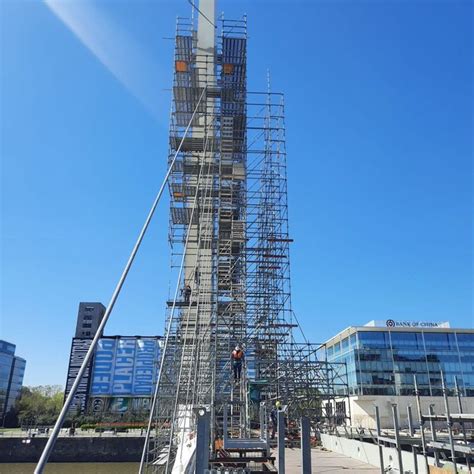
326	462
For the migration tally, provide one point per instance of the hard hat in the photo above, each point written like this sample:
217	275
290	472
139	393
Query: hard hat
237	348
278	404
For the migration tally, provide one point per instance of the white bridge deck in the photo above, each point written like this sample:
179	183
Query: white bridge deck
323	461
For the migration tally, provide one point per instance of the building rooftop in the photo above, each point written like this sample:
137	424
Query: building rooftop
399	326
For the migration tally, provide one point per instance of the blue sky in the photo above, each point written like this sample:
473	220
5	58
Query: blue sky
379	105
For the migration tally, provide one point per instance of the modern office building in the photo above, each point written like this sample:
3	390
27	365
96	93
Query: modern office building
383	357
122	374
12	370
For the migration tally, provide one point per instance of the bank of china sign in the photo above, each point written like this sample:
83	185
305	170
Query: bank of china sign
391	323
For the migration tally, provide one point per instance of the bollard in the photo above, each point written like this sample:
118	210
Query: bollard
202	440
281	441
433	434
305	445
412	434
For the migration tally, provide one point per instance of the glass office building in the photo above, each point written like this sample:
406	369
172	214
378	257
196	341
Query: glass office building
384	360
12	370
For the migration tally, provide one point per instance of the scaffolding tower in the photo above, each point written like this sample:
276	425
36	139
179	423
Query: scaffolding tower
229	239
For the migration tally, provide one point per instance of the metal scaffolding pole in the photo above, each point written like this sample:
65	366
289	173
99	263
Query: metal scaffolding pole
62	415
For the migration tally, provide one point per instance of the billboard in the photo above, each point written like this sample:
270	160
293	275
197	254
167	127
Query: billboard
125	367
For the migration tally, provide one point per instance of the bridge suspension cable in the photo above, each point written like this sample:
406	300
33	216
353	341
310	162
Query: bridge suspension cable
59	422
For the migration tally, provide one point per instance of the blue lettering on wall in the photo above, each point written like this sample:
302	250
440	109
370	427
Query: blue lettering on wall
145	361
125	367
103	367
124	362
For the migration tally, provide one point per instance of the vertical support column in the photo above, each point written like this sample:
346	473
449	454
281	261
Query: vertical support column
225	426
449	422
420	419
397	437
377	422
202	440
206	28
305	446
263	422
281	441
412	433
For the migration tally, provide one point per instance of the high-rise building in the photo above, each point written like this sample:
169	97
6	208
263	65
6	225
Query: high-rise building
12	370
88	319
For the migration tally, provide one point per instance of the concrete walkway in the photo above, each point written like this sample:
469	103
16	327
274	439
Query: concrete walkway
326	462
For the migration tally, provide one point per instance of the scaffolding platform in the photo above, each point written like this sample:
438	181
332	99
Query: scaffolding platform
181	304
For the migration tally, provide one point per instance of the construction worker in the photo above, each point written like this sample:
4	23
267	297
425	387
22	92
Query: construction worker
274	421
237	361
187	293
274	417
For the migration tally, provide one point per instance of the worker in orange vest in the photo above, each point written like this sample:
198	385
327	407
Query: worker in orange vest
237	361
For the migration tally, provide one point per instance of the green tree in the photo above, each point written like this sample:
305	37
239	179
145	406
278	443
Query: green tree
39	405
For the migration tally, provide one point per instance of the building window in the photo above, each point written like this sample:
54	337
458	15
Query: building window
465	341
440	341
374	340
345	344
407	340
87	317
87	325
89	309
